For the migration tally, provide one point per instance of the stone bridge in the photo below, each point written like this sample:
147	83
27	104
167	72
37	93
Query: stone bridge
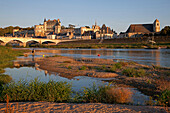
24	41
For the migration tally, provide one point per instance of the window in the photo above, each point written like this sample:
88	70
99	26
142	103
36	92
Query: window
157	24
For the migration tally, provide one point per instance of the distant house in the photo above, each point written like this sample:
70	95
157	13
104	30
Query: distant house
104	32
136	30
51	35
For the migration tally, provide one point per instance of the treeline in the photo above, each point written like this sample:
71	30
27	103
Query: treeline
9	30
165	31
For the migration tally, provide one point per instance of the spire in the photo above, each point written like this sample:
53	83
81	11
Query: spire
44	19
95	23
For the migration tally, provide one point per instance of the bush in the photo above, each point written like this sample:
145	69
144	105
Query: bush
118	65
67	62
37	91
132	72
119	95
83	68
106	94
164	98
4	79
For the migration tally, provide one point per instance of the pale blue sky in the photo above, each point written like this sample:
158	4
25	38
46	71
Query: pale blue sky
117	14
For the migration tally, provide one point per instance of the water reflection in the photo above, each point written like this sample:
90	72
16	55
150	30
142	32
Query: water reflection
78	83
142	56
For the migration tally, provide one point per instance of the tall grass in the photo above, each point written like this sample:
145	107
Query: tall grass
106	94
4	79
37	91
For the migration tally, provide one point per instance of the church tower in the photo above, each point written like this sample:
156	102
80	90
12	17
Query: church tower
156	26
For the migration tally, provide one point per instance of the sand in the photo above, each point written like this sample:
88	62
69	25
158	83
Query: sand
50	107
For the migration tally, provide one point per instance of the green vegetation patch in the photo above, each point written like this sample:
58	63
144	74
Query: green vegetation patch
4	79
7	54
164	98
132	72
83	68
105	94
37	91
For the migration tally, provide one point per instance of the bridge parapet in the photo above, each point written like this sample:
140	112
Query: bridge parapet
24	40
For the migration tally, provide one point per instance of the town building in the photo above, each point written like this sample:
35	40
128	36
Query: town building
22	32
137	30
47	27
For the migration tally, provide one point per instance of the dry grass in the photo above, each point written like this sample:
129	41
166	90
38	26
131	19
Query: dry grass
119	95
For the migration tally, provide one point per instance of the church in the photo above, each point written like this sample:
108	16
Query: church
136	30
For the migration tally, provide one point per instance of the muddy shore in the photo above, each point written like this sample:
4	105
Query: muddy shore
155	80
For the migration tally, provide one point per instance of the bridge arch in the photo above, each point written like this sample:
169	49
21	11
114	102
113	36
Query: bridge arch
32	42
15	42
2	42
49	42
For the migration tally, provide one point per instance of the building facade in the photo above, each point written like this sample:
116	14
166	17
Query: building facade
136	30
47	27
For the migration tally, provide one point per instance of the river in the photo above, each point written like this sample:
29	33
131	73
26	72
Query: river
142	56
160	57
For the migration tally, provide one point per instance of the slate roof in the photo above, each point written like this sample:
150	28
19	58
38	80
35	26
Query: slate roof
145	28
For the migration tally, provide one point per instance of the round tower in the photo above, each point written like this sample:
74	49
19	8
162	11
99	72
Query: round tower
156	26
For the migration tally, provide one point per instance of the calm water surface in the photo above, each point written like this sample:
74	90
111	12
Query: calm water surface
159	57
148	57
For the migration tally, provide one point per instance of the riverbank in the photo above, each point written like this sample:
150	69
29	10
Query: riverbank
150	80
7	54
44	107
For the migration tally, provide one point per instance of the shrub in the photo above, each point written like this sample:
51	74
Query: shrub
112	69
132	72
119	95
67	62
164	98
118	65
94	94
2	70
106	94
37	91
83	68
4	79
69	67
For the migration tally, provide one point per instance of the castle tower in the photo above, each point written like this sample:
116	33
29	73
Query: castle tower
58	27
156	26
45	25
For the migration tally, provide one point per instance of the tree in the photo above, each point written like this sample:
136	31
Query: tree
165	31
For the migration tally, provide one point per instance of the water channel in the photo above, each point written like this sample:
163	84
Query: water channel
147	57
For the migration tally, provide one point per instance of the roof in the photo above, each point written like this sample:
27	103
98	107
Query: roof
145	28
156	20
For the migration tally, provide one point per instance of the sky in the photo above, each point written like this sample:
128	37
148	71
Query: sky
117	14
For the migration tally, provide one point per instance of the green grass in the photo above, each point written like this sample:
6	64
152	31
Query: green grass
164	98
7	54
4	79
132	72
83	68
37	91
69	67
6	57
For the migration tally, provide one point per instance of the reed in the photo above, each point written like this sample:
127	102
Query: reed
37	91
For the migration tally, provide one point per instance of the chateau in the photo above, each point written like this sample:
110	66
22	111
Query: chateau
48	27
52	30
135	30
